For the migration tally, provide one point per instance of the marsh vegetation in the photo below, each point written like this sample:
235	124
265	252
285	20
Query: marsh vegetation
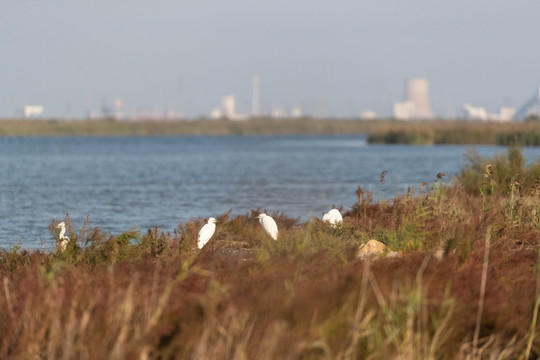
111	127
456	132
385	131
466	282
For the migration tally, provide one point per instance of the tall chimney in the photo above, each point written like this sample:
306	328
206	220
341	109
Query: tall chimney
255	105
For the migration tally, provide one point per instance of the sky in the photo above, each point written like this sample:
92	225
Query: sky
335	58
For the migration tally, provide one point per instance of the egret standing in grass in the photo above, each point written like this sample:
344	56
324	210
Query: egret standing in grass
269	225
206	232
61	236
333	217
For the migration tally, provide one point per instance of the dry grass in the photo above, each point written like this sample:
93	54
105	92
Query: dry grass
107	127
306	296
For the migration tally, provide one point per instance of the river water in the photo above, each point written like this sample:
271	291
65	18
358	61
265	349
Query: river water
143	182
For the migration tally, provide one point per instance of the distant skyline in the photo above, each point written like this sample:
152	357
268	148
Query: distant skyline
331	58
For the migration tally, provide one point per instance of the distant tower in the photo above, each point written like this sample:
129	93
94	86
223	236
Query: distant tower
417	93
118	109
228	105
255	104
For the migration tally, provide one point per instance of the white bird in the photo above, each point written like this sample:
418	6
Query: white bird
333	217
206	232
61	236
269	225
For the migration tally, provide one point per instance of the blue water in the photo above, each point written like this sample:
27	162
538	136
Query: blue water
126	182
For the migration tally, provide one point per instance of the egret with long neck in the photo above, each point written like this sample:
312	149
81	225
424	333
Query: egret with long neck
269	225
61	236
206	232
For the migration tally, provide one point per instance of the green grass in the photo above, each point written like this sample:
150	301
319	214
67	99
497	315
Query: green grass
455	132
152	295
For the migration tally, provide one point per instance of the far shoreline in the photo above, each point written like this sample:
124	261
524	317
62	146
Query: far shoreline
377	131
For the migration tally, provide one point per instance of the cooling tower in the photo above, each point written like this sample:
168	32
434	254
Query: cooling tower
417	93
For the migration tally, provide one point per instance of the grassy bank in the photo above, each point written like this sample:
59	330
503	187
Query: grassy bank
466	282
455	132
111	127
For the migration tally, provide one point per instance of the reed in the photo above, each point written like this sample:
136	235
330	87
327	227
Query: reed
378	131
455	132
111	127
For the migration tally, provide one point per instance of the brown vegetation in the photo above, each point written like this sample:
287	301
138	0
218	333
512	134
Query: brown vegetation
110	127
466	283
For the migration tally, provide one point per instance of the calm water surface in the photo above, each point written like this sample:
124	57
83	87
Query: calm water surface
126	182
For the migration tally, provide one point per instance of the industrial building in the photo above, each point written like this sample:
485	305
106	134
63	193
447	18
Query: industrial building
416	104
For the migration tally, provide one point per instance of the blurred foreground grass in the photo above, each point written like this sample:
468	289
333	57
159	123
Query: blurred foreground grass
466	282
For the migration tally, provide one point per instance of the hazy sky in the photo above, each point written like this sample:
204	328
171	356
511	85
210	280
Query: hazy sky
337	57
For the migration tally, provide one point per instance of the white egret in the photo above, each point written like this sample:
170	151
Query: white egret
269	225
61	236
333	217
206	232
